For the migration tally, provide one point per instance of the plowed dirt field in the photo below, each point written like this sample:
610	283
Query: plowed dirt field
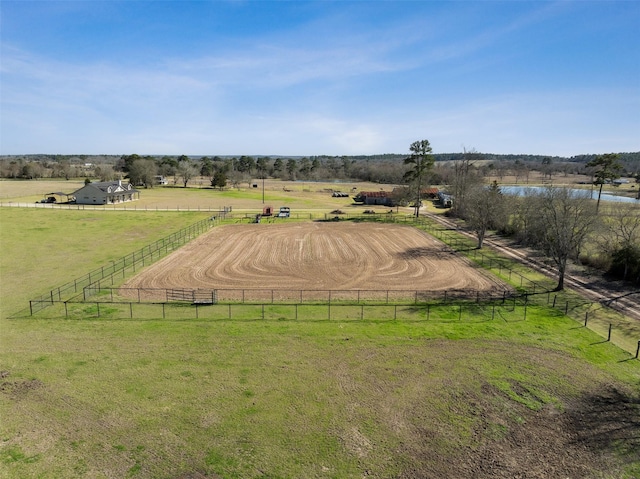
315	256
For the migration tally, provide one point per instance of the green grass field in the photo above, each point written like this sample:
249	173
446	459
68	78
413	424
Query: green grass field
284	398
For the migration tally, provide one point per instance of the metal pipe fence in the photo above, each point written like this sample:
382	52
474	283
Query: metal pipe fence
94	282
100	292
122	266
95	293
453	311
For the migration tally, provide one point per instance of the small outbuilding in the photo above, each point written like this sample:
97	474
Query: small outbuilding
106	192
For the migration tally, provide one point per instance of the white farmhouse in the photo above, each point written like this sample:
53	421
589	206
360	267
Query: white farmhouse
107	192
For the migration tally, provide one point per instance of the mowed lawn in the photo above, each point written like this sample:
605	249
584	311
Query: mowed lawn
290	399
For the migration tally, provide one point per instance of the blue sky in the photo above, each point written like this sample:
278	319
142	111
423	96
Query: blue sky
314	78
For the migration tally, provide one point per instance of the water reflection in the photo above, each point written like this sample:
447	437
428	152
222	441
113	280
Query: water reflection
520	191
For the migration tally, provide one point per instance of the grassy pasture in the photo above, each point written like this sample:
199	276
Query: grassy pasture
300	195
290	398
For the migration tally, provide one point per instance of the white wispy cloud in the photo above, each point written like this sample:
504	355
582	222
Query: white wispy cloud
329	85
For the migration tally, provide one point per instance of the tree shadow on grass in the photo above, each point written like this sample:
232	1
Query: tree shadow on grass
430	252
608	420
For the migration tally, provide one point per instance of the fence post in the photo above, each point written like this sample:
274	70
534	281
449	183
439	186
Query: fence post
638	350
229	310
566	308
163	315
526	301
428	310
131	310
395	316
493	312
586	318
361	312
609	335
98	305
555	296
197	317
263	311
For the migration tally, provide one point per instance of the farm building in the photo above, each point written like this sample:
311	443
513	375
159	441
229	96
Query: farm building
431	193
107	192
375	198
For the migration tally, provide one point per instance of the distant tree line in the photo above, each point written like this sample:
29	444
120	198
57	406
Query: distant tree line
384	168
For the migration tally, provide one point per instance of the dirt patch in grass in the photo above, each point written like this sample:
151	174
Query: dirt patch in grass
17	388
590	433
576	442
316	256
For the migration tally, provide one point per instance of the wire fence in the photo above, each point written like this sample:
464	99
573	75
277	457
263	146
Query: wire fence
96	294
126	206
102	279
431	311
123	266
100	292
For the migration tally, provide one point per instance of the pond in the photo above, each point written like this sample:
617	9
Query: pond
520	191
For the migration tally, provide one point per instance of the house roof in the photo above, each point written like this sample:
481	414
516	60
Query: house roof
112	187
374	194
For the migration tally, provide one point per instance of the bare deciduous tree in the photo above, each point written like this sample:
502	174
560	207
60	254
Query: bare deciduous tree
619	240
485	210
186	170
563	220
465	179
